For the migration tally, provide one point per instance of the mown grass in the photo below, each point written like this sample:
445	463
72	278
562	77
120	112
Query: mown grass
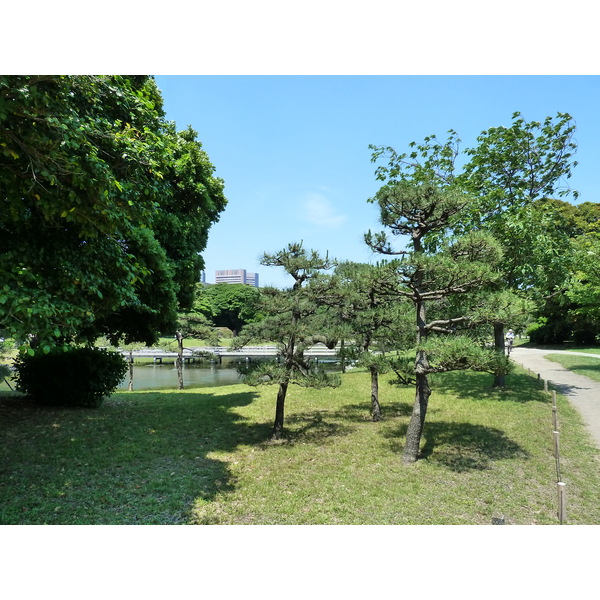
205	457
566	346
583	365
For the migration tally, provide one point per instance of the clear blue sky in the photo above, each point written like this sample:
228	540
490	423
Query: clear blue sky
293	150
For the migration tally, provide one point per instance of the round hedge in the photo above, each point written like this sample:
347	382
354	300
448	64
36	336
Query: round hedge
74	377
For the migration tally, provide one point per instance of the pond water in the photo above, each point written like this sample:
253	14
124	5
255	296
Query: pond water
161	377
164	377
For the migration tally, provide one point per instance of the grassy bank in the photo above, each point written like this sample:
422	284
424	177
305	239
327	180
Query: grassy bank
204	457
583	365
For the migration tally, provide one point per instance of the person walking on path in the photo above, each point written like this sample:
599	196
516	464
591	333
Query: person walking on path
582	392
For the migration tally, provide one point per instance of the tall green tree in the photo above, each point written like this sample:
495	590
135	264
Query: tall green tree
455	267
562	314
104	209
294	322
505	173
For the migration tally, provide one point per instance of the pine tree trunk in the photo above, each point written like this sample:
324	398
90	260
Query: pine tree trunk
130	386
375	407
417	420
499	380
279	411
180	360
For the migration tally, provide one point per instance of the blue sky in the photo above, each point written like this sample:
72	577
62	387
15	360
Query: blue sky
294	154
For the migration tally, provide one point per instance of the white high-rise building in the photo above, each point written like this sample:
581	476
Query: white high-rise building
236	276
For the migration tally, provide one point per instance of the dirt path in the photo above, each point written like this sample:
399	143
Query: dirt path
582	392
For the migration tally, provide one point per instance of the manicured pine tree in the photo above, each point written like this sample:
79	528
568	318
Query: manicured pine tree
374	319
294	321
421	210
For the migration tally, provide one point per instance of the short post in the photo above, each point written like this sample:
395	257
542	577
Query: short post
562	516
557	454
554	411
545	385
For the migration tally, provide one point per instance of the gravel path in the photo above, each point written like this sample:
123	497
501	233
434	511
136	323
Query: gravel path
582	392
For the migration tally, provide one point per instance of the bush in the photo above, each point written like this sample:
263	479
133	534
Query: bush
75	377
584	337
549	331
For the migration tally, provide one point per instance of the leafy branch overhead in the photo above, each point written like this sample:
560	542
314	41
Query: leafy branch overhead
105	209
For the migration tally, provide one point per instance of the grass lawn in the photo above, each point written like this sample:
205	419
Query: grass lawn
594	350
584	365
204	457
569	347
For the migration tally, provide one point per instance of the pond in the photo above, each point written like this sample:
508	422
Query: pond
162	377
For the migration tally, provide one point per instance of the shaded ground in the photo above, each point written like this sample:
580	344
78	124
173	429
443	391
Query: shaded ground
583	393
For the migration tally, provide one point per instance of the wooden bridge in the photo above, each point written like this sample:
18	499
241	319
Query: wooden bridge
196	353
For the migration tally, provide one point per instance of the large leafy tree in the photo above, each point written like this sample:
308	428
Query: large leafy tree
104	209
563	313
294	321
584	288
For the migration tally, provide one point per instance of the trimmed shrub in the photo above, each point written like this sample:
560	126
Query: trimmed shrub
75	377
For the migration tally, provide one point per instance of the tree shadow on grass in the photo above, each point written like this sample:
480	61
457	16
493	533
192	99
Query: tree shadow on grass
320	425
460	446
362	412
478	386
313	427
141	458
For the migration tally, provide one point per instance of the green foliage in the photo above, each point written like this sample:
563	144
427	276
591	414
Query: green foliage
103	205
228	305
194	202
196	325
584	288
451	353
75	377
294	320
462	352
432	269
152	307
5	372
512	166
307	374
511	174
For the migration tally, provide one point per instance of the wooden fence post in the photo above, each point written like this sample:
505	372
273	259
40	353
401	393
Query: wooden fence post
562	515
557	454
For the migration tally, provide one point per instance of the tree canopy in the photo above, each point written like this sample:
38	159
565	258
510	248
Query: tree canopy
230	305
105	208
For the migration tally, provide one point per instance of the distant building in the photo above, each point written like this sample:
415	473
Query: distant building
236	276
252	279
